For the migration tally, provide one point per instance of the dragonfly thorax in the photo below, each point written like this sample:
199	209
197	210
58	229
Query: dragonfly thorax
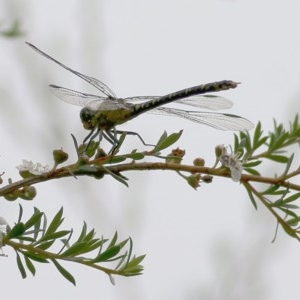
105	119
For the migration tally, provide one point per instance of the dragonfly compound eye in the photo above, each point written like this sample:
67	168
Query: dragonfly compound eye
87	118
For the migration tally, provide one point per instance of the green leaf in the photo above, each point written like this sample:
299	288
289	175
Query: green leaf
75	249
251	197
117	159
133	271
252	164
271	189
135	261
37	225
29	265
120	141
113	240
278	158
36	257
236	143
167	141
290	206
135	156
95	244
63	271
289	212
279	141
245	140
89	236
288	165
20	213
133	267
162	137
16	231
21	266
45	245
107	254
36	217
56	222
290	231
291	198
83	232
92	148
257	134
280	192
66	242
252	171
118	177
294	221
26	238
55	235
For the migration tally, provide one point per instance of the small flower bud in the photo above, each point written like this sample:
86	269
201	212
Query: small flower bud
28	193
193	180
207	178
11	197
199	162
219	150
175	156
178	152
100	153
25	174
83	160
60	156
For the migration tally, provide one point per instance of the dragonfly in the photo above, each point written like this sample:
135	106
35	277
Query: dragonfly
101	114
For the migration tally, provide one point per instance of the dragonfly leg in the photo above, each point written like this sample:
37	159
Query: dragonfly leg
92	135
88	136
133	133
111	137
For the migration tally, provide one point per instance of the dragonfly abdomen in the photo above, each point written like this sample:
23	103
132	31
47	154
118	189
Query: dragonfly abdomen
196	90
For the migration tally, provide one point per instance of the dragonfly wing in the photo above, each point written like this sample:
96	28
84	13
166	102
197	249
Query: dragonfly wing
91	80
140	99
77	98
211	102
216	120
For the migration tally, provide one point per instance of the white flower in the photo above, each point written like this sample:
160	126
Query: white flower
231	161
35	169
3	227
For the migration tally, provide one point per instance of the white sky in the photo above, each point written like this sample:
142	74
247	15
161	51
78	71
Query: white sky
205	244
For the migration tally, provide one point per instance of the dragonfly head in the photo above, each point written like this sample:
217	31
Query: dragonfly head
87	117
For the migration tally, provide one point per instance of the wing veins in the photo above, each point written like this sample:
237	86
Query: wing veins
99	85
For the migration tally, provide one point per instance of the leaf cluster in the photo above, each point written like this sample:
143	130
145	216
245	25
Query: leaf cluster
34	241
281	193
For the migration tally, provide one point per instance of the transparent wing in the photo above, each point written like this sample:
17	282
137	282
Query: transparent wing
216	120
211	102
207	101
93	102
76	98
99	85
140	99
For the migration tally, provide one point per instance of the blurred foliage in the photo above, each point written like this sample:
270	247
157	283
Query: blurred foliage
13	31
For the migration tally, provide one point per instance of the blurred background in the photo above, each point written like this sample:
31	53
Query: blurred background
205	244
